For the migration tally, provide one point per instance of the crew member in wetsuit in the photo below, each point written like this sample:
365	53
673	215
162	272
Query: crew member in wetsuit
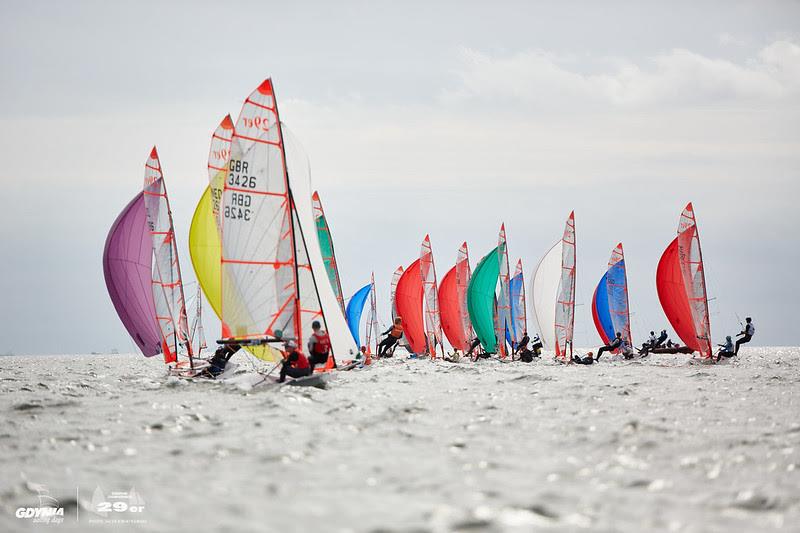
727	349
588	360
522	345
613	345
746	334
220	359
393	337
661	338
295	364
475	343
319	346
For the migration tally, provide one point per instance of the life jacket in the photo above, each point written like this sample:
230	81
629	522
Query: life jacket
397	331
320	343
302	361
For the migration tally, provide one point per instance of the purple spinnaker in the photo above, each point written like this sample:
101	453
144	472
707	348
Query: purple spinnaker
127	265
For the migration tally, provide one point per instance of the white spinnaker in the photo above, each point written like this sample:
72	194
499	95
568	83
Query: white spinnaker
342	341
167	285
543	293
257	232
218	154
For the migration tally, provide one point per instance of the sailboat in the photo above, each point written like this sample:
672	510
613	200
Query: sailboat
326	247
610	307
453	302
127	267
553	294
270	256
681	286
415	287
354	312
167	282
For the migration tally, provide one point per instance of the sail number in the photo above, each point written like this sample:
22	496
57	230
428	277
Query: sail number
238	175
239	207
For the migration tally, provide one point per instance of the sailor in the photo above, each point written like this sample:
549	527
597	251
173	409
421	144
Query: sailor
610	347
393	337
661	338
588	360
746	334
294	364
475	343
319	345
522	345
537	346
726	350
220	359
652	340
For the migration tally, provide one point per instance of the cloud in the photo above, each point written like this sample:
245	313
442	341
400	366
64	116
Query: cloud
679	77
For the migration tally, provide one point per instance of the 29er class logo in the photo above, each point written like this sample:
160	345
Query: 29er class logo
119	506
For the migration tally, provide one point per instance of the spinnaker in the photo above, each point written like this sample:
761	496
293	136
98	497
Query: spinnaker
681	286
408	300
127	267
355	308
481	300
610	306
453	302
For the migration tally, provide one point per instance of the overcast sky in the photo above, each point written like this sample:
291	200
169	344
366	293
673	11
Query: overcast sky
445	119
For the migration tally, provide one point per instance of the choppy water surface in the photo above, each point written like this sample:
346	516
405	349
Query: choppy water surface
661	444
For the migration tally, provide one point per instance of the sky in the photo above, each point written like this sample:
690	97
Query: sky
445	118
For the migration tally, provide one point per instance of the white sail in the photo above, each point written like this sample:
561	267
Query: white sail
543	292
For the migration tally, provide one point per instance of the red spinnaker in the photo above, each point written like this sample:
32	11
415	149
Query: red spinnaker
408	299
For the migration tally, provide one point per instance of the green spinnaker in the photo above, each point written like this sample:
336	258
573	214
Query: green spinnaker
480	299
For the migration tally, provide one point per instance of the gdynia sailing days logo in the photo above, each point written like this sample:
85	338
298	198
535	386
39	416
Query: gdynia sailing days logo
119	507
49	510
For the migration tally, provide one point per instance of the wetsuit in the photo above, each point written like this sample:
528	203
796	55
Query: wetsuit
616	343
394	333
726	351
747	334
220	359
522	345
475	343
582	361
295	365
319	346
661	339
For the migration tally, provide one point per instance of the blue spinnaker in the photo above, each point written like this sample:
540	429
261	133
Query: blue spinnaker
354	309
600	311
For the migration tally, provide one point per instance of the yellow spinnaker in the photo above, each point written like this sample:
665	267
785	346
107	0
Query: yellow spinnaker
206	250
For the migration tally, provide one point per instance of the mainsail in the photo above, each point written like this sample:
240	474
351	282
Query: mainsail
268	286
127	267
372	319
167	284
355	308
326	247
395	279
408	299
453	302
433	323
205	247
680	281
518	304
565	299
481	300
196	332
504	322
